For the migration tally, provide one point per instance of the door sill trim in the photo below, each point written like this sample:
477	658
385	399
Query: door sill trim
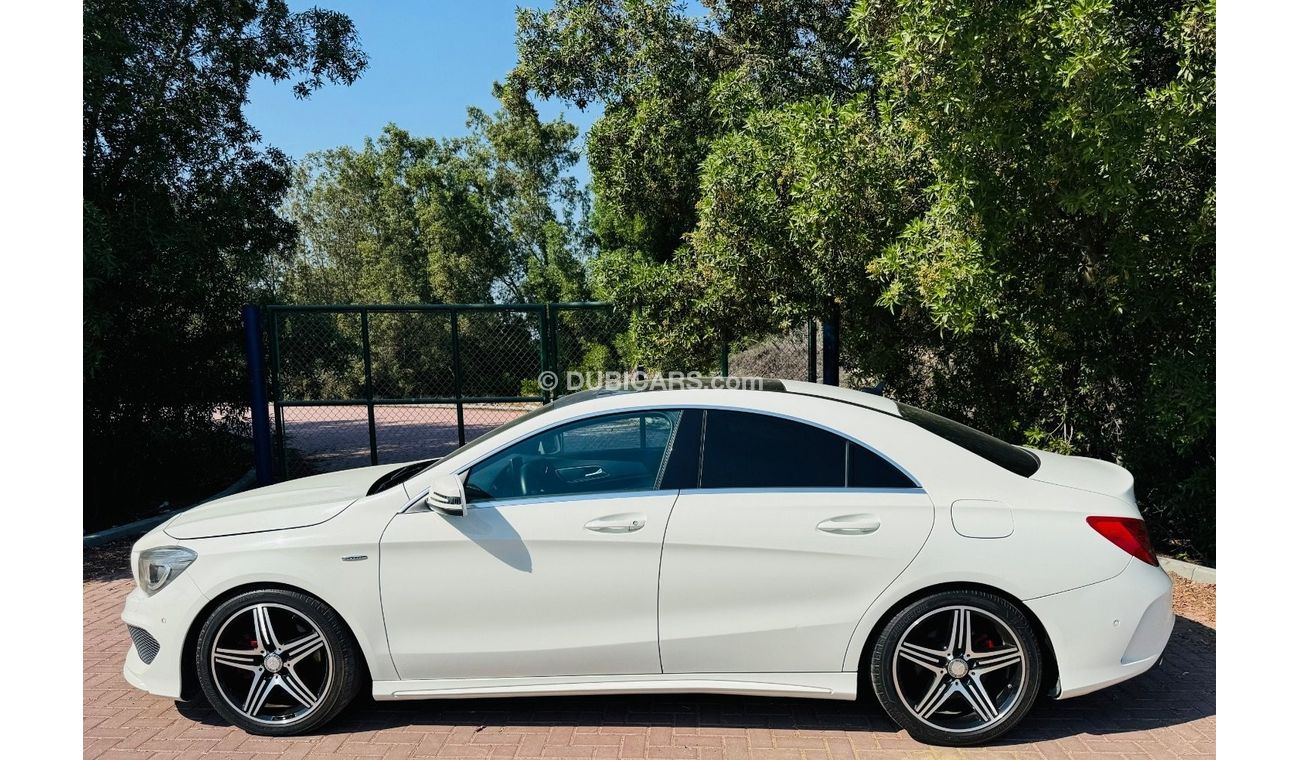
811	685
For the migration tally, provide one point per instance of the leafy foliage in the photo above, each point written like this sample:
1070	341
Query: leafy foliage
410	219
1070	222
493	216
1011	204
179	212
671	84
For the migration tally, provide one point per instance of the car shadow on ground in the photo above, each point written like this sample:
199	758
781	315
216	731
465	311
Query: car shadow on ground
1180	690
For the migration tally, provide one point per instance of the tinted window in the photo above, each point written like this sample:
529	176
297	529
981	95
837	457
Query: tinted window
618	452
867	469
743	450
1014	458
682	469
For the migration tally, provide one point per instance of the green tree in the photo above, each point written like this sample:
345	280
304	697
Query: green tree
1010	203
1067	238
491	216
180	213
670	84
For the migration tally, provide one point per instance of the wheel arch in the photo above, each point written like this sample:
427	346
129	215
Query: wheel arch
1050	674
189	674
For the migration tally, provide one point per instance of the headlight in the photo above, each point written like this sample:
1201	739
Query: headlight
159	566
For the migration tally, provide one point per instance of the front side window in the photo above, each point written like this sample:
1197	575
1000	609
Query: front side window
747	450
617	452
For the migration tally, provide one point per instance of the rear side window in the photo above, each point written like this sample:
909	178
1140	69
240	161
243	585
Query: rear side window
867	469
746	450
1014	458
682	469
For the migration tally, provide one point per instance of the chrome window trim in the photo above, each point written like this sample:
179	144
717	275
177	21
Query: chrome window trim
417	504
662	406
804	489
511	501
463	472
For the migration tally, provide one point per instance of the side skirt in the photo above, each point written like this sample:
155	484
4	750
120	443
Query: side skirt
811	685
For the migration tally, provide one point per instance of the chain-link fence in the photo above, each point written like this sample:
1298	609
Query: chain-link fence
359	385
789	354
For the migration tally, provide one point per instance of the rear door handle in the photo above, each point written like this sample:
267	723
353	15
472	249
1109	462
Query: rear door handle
625	523
850	525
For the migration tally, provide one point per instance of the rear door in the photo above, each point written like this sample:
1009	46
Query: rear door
789	535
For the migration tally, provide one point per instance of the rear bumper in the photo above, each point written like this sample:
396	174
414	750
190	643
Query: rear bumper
166	616
1110	631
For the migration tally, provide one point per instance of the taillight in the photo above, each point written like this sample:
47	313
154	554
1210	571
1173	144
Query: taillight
1129	534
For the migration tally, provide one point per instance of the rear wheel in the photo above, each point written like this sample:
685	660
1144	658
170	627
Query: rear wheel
276	662
957	668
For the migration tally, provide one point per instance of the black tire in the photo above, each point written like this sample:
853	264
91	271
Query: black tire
331	672
1011	688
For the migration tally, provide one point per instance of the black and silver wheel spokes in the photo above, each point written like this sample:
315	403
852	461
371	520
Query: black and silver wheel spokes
271	664
959	669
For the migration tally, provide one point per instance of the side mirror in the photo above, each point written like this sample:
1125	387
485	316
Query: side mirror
447	495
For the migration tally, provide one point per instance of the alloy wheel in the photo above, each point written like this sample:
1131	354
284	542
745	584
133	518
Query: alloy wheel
271	664
959	669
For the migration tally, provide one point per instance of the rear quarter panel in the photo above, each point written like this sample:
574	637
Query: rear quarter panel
1050	548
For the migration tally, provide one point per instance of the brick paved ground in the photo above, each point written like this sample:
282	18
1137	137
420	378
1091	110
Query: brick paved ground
1169	712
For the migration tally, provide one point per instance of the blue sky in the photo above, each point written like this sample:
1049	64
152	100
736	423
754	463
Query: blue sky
428	61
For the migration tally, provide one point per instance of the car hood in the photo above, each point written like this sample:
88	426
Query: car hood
1094	475
292	504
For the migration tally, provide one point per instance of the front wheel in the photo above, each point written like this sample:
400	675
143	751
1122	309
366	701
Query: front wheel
276	662
957	668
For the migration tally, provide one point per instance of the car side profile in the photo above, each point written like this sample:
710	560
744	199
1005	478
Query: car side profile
794	540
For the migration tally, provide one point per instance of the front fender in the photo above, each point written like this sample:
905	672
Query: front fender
310	560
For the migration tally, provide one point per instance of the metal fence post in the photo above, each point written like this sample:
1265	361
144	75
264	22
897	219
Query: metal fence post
812	350
370	385
831	347
456	376
553	346
282	466
543	319
255	350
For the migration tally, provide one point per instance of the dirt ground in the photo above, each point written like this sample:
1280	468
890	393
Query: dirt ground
1194	601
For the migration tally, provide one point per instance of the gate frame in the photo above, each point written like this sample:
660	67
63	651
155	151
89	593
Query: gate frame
269	446
271	314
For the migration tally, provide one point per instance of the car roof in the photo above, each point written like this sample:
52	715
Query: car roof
753	385
846	395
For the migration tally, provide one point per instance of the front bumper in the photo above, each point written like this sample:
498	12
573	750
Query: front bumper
166	616
1110	631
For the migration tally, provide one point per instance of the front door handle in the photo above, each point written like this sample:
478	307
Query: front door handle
850	525
625	523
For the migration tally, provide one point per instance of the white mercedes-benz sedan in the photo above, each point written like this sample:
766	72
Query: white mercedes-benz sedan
793	540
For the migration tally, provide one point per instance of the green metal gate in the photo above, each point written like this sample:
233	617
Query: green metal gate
372	384
375	384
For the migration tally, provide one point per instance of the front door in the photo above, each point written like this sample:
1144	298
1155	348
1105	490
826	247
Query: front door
552	570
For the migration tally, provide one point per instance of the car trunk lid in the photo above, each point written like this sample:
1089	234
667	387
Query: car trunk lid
1085	474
